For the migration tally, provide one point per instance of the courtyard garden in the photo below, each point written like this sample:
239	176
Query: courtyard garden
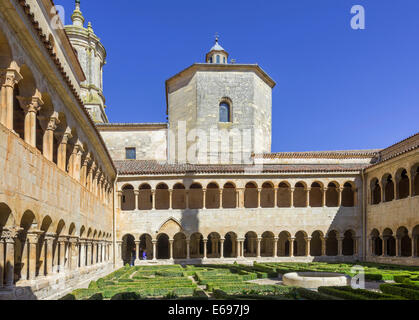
236	282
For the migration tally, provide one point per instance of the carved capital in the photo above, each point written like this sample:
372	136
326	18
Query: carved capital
30	104
9	235
10	77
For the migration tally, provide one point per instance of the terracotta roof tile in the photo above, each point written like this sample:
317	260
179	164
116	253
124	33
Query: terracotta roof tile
345	154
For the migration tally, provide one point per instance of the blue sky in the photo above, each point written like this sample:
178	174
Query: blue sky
337	88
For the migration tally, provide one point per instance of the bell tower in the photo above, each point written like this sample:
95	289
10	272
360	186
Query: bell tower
92	57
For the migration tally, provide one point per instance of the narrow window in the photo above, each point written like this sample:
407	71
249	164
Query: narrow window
224	59
130	154
218	59
210	60
224	112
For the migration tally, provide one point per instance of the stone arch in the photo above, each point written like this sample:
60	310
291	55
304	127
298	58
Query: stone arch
213	245
82	231
72	229
332	243
348	195
128	249
267	244
300	244
128	198
332	195
300	195
405	242
196	245
179	246
316	244
171	227
316	195
348	243
375	191
6	216
284	244
196	196
6	54
60	227
162	197
389	242
267	195
28	221
179	196
377	243
251	195
388	186
230	245
229	196
284	195
213	196
402	184
250	244
145	197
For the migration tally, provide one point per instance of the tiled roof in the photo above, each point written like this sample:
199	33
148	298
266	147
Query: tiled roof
142	167
345	154
398	149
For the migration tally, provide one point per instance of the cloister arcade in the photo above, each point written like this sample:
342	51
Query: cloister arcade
404	183
34	247
399	242
211	196
252	245
29	110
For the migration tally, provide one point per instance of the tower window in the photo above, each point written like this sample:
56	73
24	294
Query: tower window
225	112
224	59
218	59
130	153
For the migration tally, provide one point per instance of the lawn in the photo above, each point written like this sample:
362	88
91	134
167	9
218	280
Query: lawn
233	282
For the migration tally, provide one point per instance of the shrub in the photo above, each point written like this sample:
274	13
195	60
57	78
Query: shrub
93	286
68	297
402	278
349	293
313	295
126	296
219	294
97	296
373	276
401	290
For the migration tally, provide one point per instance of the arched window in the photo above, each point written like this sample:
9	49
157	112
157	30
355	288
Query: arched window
218	59
224	112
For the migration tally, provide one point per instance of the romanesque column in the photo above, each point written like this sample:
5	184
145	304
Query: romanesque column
276	197
292	197
323	239
154	249
62	150
82	244
25	256
188	249
186	199
222	248
275	255
32	239
307	190
95	181
259	240
9	236
89	250
49	240
56	256
171	241
308	244
384	253
340	190
356	246
84	172
382	191
153	199
220	206
49	124
204	199
137	199
120	194
398	246
340	246
62	241
31	106
9	79
205	248
91	169
137	253
292	239
259	196
324	197
75	161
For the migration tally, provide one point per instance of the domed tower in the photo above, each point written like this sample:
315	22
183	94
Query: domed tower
92	57
217	54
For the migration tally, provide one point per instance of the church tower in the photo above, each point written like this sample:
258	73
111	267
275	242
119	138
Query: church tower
219	112
92	57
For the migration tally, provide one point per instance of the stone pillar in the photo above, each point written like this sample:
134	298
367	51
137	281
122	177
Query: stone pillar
323	239
292	197
221	199
62	150
171	241
25	257
205	248
10	259
204	198
49	124
398	246
340	246
94	252
259	240
137	252
154	250
49	241
31	106
82	244
153	197
276	197
259	196
324	197
95	182
75	161
308	189
384	253
356	245
292	246
32	244
90	173
222	248
9	78
137	199
187	199
85	172
188	249
119	246
308	245
120	194
340	190
62	244
275	255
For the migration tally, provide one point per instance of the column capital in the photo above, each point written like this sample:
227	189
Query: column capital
9	235
49	122
10	77
308	238
87	159
66	135
31	104
33	236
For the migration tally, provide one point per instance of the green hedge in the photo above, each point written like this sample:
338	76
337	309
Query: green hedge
403	290
349	293
313	295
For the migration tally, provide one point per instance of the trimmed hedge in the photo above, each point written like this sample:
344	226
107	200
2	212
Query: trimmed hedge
349	293
313	295
410	292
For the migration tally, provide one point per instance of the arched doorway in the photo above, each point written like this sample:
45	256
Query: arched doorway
300	244
284	244
250	244
267	244
213	245
197	246
128	249
163	247
316	244
230	244
389	243
213	196
146	247
332	243
179	246
348	244
405	242
377	243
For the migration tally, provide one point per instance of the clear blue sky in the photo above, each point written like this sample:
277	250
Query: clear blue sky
337	88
